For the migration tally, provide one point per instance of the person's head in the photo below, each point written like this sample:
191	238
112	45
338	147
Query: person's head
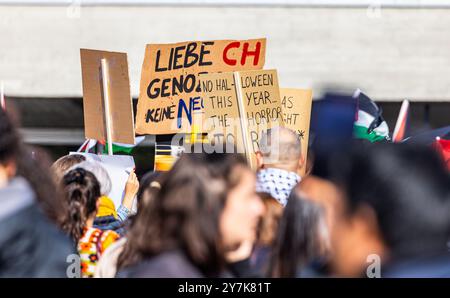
206	205
149	186
326	194
64	163
302	237
280	148
397	207
33	164
99	172
82	192
268	223
9	148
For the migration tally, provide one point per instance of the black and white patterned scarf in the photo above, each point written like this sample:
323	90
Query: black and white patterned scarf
278	183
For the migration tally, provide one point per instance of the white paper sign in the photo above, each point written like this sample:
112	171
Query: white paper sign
118	168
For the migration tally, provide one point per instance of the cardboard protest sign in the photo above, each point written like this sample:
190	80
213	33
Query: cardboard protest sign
120	103
118	167
296	107
169	96
240	106
260	106
222	119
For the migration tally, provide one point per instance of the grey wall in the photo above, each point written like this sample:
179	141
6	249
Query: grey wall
390	54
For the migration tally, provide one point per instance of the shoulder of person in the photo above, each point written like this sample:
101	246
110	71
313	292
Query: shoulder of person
167	265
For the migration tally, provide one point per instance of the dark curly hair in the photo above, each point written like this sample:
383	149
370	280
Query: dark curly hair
82	191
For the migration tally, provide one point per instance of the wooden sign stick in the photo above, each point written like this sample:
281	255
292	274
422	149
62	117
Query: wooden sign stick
107	112
242	118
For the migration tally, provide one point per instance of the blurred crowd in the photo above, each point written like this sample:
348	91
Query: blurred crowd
363	209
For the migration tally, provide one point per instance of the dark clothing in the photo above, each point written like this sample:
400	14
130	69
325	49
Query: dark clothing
30	245
244	269
173	264
431	267
260	259
109	222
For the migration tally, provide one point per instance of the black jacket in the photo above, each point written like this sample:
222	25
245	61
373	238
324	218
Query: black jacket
30	245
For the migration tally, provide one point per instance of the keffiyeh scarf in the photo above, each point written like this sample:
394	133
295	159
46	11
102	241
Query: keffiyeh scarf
278	183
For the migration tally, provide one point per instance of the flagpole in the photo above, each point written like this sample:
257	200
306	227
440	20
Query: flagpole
105	82
2	96
400	125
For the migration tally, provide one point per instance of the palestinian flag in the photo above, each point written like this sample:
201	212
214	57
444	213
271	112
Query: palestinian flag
369	123
123	148
89	146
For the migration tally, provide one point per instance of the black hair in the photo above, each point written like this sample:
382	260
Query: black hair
9	139
298	240
408	188
33	164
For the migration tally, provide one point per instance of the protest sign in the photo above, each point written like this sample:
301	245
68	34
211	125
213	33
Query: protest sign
118	104
296	108
222	120
240	106
259	105
118	167
169	97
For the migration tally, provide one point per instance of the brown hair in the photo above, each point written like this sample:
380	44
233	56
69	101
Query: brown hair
268	224
82	191
185	213
64	163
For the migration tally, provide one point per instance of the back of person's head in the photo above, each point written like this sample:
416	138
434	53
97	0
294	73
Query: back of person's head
82	191
280	147
149	186
408	189
185	213
301	238
64	163
9	147
99	172
33	164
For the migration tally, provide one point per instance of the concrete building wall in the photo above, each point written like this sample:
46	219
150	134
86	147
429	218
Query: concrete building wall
390	54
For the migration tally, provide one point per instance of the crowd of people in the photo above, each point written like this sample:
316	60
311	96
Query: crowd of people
381	209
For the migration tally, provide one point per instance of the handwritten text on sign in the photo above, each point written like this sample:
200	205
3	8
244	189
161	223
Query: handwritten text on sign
261	103
222	120
170	93
296	106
